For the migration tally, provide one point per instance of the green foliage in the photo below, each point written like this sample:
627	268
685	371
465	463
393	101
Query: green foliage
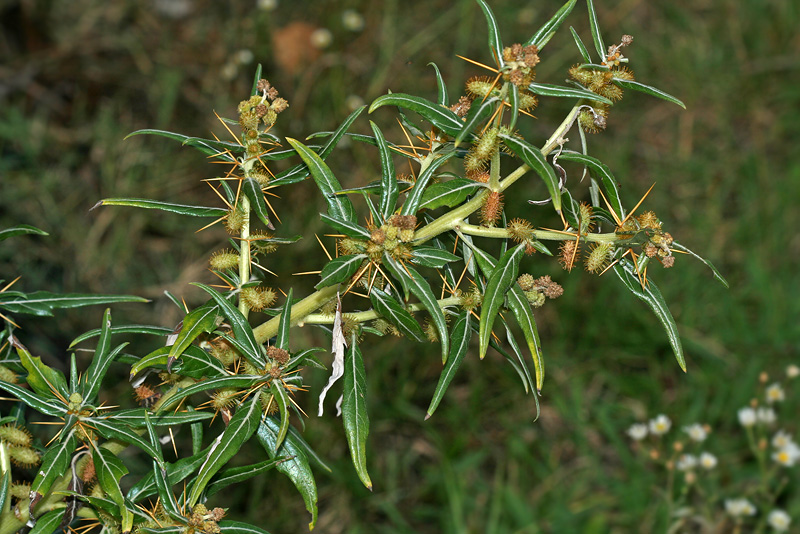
248	365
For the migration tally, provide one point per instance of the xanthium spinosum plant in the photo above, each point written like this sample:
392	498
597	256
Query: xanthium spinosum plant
233	358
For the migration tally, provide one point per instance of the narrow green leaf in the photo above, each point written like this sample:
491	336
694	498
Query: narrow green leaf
43	302
503	276
182	209
450	193
55	462
513	100
237	527
46	405
340	269
44	380
522	311
495	44
534	159
422	290
164	488
651	295
48	523
339	207
601	170
354	410
538	38
652	91
393	311
581	47
5	485
100	361
439	116
595	27
199	321
432	257
176	473
253	191
411	205
234	475
527	379
124	329
441	88
546	89
241	426
240	326
20	229
137	417
206	146
460	336
238	382
279	396
389	189
297	468
282	337
476	116
256	78
194	363
111	429
110	471
345	227
714	270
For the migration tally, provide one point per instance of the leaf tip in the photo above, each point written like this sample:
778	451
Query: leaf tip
428	416
99	203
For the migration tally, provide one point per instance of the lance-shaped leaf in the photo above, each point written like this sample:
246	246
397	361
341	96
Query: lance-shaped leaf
253	191
241	426
652	296
503	275
256	78
441	88
234	475
432	257
354	410
194	363
546	89
524	314
20	229
138	417
411	205
296	468
450	193
282	336
389	190
513	100
339	207
237	527
206	146
347	228
280	397
46	405
460	335
124	329
601	170
393	311
110	471
476	116
48	523
238	382
199	321
714	270
495	44
439	116
652	91
100	361
54	464
5	485
527	379
540	38
164	488
595	27
176	473
241	328
581	47
43	302
534	159
44	380
110	428
421	289
181	209
340	269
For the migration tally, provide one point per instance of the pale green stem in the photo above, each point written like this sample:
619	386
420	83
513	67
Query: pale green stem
244	254
311	303
541	235
369	315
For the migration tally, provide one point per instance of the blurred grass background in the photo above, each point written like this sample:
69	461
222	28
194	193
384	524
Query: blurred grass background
77	77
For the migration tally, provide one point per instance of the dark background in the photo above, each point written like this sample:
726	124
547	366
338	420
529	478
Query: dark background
76	77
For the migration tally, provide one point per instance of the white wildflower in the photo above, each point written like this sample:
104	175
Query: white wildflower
779	520
696	432
660	425
788	455
739	507
766	416
686	462
781	439
708	461
747	417
793	371
637	431
774	393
